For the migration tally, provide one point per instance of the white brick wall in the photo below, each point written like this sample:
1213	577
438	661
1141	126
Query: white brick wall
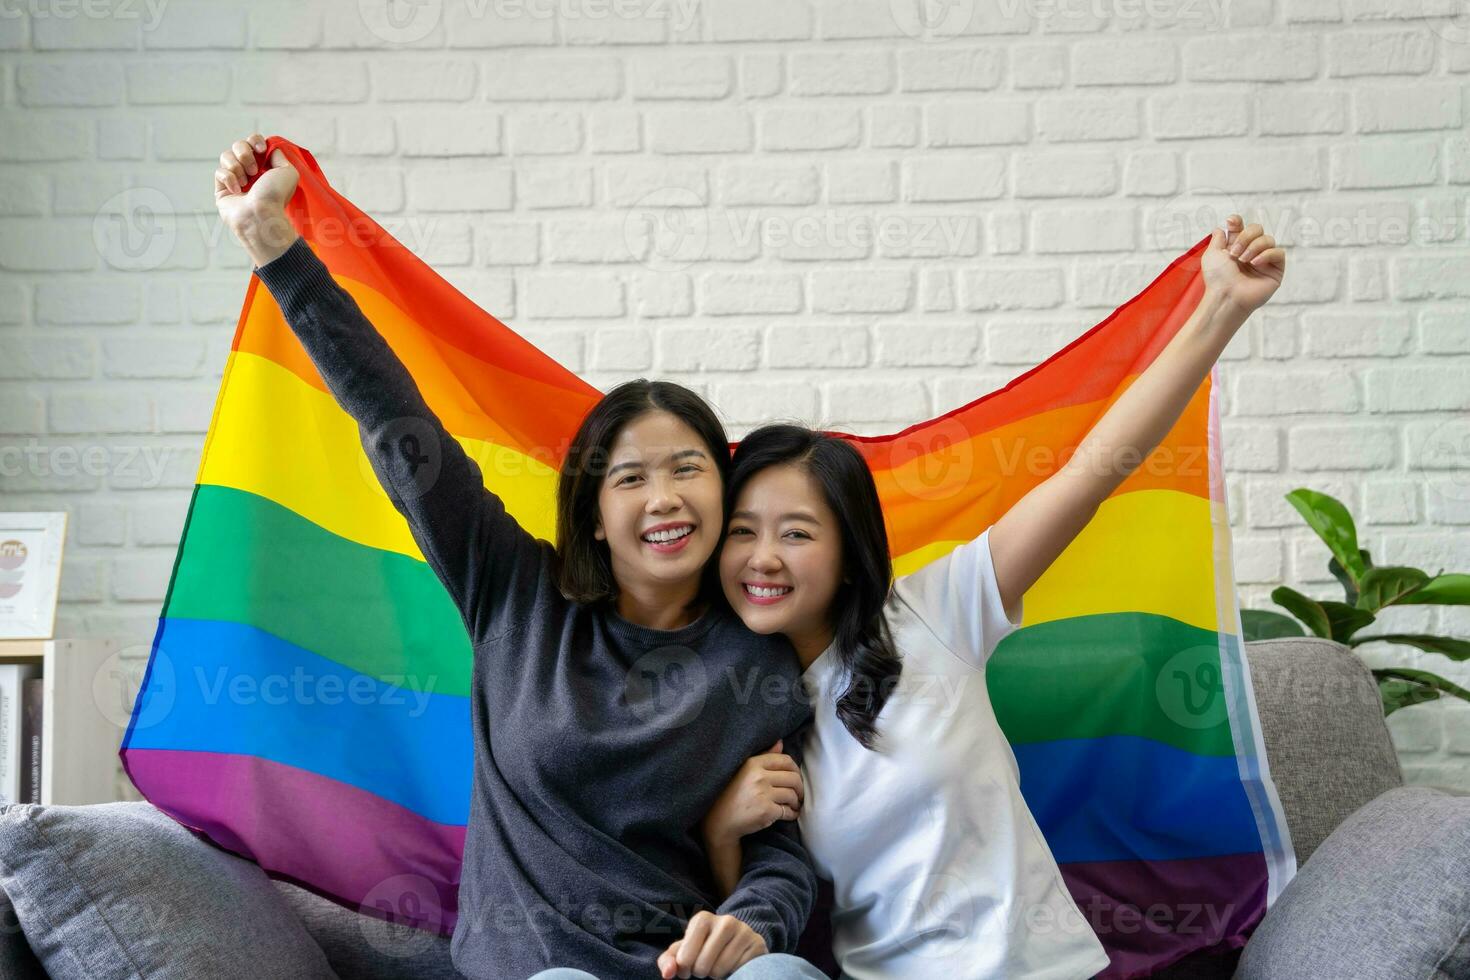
828	209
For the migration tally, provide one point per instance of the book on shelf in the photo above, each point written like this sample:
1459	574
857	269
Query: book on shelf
32	708
14	752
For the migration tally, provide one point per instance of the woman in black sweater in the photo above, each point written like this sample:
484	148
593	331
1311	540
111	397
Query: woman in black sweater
613	695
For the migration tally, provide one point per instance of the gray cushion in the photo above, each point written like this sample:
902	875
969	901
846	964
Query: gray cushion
121	891
365	947
1386	897
1326	741
17	962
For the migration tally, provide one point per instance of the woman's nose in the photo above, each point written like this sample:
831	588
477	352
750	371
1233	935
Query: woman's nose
662	498
763	559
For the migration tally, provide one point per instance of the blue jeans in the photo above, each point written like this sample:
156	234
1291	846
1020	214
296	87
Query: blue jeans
771	966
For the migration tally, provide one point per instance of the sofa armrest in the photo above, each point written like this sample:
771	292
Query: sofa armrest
1327	745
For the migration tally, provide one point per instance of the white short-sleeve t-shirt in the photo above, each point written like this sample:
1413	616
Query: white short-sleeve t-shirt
938	867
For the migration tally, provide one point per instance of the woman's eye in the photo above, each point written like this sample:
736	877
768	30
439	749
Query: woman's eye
688	468
797	534
738	530
625	480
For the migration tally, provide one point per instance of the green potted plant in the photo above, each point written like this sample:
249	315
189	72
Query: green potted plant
1367	588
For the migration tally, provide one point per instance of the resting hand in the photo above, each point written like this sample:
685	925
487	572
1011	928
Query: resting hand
766	788
713	946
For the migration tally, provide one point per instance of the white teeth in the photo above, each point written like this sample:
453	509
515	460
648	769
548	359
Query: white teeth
673	534
767	592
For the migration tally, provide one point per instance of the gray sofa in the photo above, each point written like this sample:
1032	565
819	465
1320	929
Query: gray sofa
1326	742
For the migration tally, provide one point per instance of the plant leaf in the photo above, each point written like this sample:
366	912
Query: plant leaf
1309	611
1344	620
1388	585
1451	647
1398	694
1262	624
1445	590
1349	587
1333	524
1425	678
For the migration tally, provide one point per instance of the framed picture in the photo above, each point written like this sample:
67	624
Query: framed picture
30	573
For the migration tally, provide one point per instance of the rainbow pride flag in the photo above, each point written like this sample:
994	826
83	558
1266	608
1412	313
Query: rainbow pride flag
306	700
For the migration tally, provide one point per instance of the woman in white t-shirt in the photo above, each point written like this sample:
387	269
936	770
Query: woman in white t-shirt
911	803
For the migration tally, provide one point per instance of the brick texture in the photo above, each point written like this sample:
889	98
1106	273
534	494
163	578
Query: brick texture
826	210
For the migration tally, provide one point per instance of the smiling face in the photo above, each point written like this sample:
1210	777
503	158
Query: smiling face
660	505
781	563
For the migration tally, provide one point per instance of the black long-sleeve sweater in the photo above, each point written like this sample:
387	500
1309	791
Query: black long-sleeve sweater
598	744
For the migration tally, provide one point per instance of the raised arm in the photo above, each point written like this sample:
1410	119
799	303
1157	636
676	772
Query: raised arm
1241	269
486	561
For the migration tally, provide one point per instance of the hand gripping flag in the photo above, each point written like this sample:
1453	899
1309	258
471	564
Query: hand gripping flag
306	699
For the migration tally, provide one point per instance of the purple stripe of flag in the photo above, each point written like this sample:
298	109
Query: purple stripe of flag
1195	903
346	844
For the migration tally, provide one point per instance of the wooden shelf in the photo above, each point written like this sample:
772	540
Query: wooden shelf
82	716
22	651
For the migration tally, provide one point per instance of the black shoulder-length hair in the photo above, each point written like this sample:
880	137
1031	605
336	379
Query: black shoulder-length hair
583	563
864	644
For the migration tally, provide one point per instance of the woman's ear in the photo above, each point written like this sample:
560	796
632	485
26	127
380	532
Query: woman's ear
598	532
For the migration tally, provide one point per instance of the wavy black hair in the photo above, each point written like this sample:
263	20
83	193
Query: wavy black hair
583	563
864	645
